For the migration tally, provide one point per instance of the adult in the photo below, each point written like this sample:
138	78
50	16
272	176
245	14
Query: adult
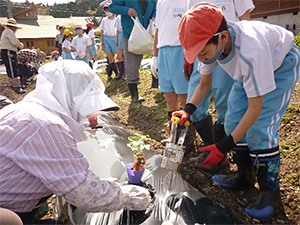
145	11
59	39
38	145
26	59
9	46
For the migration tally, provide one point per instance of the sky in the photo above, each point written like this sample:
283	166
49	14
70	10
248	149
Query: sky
50	2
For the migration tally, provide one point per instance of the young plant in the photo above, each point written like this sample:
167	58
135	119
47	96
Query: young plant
138	145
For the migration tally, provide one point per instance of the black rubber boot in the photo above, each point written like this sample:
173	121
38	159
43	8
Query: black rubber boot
134	93
91	64
189	140
109	71
115	69
205	130
15	83
154	82
269	201
120	68
219	133
124	69
245	176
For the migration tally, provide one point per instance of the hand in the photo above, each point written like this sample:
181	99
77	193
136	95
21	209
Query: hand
139	198
185	114
182	114
154	67
82	55
103	47
214	157
217	151
187	69
132	12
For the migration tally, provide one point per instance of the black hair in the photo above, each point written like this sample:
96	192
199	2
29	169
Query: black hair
88	30
223	27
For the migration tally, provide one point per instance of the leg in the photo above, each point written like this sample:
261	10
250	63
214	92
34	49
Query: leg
8	217
133	63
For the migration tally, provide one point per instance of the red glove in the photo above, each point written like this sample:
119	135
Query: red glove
217	151
185	113
187	70
214	157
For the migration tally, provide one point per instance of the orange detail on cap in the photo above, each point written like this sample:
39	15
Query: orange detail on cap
198	25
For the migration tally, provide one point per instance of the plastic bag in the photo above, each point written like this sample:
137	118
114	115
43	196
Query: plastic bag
140	41
151	28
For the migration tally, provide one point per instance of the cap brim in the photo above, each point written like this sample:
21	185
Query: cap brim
193	52
97	104
12	25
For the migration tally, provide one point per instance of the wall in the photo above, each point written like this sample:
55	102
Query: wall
283	20
45	44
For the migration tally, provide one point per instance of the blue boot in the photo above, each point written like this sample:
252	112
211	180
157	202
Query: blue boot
268	202
245	177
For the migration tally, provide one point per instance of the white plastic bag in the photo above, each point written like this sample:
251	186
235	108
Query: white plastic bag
151	28
140	41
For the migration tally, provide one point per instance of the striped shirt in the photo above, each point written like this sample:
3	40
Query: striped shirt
38	156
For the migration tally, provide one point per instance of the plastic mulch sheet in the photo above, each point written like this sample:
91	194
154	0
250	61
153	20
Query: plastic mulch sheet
175	200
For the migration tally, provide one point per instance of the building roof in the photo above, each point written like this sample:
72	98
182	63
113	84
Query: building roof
45	26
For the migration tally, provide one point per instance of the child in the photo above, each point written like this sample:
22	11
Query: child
108	40
264	63
120	52
168	59
209	131
93	52
81	44
66	45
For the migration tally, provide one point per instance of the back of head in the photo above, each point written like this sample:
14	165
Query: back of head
197	27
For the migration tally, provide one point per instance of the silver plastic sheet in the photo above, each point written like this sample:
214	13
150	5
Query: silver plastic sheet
176	201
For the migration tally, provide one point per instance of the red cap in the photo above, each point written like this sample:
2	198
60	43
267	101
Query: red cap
54	53
198	25
89	24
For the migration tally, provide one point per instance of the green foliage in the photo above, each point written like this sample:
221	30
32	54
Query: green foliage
297	40
294	179
137	143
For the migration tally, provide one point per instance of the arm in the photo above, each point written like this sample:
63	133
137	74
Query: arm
251	115
96	195
118	7
87	49
155	51
202	89
246	15
15	41
102	39
117	38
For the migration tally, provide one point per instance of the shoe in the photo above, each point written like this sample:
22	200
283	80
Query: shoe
19	90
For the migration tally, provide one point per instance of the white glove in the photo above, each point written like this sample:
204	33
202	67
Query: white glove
154	67
82	55
138	197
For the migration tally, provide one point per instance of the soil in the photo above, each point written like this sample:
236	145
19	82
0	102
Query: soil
150	118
